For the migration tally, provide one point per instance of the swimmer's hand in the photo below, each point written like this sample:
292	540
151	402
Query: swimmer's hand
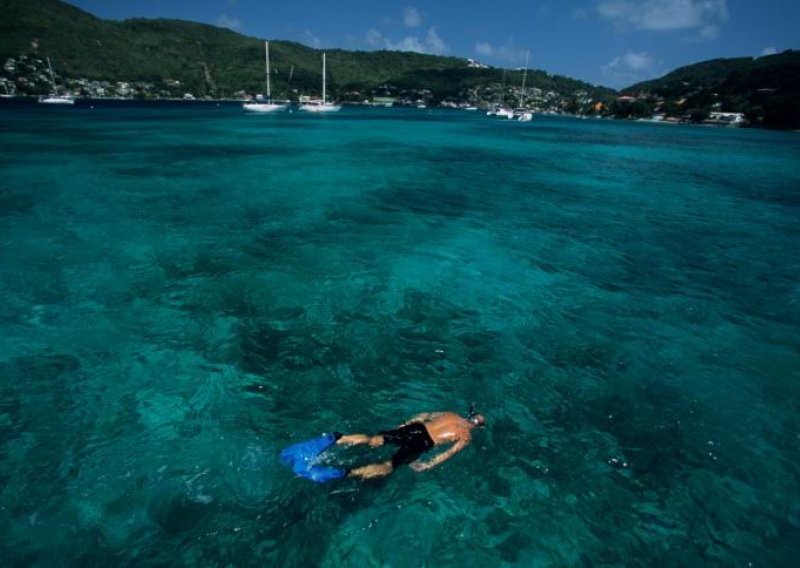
446	455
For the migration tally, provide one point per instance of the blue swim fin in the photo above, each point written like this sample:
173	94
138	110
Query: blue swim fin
301	458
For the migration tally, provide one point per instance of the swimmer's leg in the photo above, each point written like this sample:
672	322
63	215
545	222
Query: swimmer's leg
372	470
356	439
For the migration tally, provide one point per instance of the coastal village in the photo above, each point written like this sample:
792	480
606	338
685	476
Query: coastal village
28	76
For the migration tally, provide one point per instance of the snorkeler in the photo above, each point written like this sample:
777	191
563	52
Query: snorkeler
414	437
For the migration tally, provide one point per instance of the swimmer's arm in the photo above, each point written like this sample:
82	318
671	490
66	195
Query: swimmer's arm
447	454
424	417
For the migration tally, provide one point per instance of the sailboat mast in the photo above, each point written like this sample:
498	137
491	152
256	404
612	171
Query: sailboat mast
323	77
502	94
52	77
266	56
524	75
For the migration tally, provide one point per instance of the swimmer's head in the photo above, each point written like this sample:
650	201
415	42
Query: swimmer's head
477	420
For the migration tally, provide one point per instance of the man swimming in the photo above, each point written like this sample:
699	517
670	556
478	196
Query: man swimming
416	436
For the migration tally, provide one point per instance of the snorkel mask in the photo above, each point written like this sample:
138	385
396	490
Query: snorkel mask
472	416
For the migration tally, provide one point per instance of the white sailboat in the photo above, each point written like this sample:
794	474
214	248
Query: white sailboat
320	105
523	114
499	110
54	98
267	106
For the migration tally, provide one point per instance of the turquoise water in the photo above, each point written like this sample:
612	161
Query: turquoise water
186	289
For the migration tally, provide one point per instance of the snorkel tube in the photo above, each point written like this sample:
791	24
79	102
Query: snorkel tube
472	415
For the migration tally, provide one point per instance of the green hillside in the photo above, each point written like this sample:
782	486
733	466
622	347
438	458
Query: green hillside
211	61
699	75
766	89
177	56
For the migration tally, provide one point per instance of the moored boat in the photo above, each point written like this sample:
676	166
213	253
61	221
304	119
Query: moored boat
55	98
320	105
265	105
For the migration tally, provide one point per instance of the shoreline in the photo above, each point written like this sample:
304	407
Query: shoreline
84	101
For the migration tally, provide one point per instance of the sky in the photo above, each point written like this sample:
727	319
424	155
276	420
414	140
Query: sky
604	42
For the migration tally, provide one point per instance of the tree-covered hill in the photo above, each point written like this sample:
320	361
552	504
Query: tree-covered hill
766	89
218	62
178	56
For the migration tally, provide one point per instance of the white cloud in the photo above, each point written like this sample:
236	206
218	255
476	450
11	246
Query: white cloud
484	48
431	43
666	15
630	68
311	40
375	39
631	61
435	42
709	32
508	52
409	43
412	17
225	21
769	51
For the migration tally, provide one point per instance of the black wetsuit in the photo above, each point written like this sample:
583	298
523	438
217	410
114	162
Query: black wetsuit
413	440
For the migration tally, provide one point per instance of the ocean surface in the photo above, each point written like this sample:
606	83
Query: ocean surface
185	289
